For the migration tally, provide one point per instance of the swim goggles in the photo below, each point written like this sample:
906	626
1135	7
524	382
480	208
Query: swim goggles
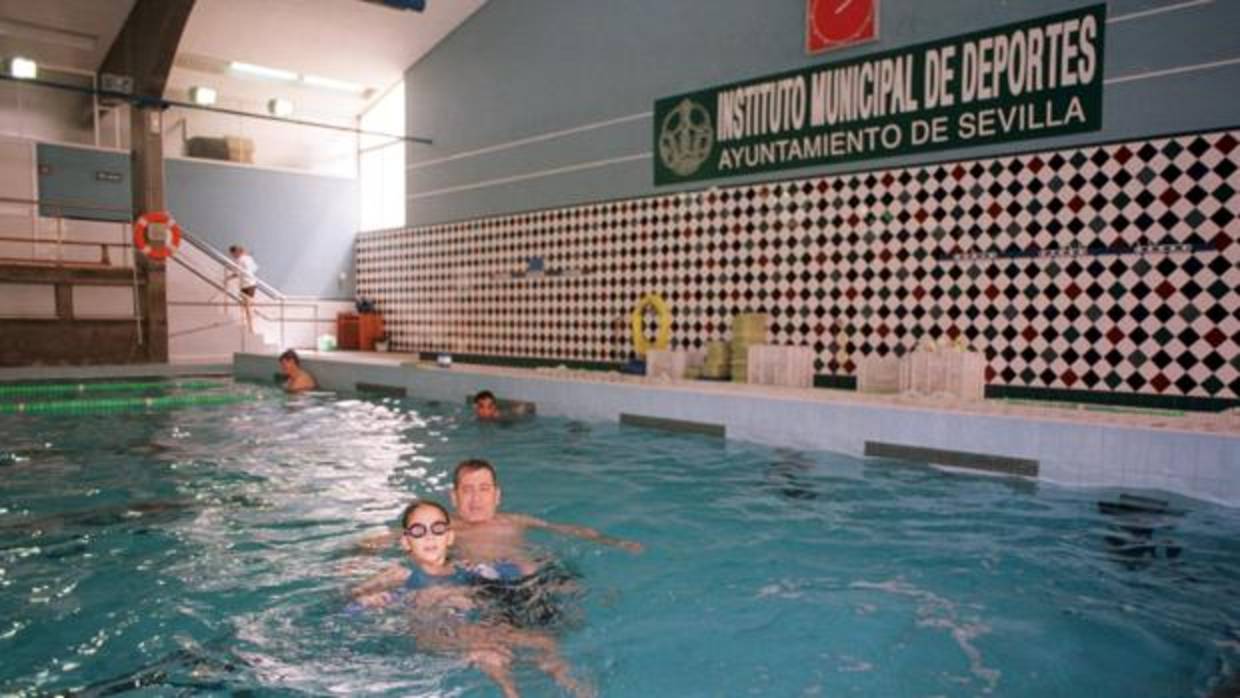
419	530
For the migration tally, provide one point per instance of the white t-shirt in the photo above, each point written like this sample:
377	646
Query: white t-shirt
248	267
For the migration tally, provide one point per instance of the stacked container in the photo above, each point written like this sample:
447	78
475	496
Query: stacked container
748	329
716	363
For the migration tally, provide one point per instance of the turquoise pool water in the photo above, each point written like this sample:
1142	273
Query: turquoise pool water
205	550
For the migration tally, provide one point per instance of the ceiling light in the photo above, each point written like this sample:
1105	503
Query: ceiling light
202	96
279	107
23	68
262	71
332	84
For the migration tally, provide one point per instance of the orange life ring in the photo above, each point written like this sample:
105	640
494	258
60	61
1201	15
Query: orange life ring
156	252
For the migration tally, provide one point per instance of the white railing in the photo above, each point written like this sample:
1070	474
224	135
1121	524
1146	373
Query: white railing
102	243
279	320
57	242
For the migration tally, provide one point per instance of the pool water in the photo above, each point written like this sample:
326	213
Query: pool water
206	550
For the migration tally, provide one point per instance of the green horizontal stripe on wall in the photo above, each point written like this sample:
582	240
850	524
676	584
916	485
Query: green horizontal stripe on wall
522	361
1143	401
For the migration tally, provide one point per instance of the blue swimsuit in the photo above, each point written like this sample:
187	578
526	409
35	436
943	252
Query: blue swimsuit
418	579
498	571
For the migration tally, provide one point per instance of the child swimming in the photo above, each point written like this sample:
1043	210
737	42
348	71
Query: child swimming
443	612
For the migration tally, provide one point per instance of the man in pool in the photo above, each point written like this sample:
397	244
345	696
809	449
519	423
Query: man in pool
489	536
486	409
297	378
444	615
493	540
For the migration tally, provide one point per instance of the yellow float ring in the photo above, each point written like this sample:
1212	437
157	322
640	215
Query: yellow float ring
663	338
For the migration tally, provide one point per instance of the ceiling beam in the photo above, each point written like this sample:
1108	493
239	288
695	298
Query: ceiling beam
147	43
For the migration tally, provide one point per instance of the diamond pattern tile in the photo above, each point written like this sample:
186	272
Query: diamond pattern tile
1106	268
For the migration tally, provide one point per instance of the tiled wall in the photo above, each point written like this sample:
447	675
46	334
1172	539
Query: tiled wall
1105	268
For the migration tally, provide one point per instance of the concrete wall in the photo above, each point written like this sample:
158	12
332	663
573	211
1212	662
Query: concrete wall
542	103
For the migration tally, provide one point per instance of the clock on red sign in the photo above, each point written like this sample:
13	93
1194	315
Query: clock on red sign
832	24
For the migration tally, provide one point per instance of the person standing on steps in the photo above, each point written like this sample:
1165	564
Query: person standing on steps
245	272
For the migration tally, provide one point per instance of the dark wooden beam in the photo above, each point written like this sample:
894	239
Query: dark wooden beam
48	274
144	50
147	44
58	342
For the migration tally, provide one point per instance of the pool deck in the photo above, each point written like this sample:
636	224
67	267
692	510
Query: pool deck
1191	454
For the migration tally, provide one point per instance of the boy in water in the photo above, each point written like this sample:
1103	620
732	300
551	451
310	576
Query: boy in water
443	611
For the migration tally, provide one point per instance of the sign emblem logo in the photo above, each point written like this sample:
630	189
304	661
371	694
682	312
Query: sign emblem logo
832	24
686	138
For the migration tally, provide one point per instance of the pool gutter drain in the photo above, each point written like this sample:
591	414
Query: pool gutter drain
985	462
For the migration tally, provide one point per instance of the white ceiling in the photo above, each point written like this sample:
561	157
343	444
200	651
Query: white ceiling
350	40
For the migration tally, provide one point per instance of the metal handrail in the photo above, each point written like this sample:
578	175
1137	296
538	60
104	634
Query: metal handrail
68	203
105	260
228	262
282	302
223	304
60	205
54	241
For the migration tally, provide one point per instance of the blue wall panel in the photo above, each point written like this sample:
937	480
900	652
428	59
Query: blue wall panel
298	227
84	183
526	69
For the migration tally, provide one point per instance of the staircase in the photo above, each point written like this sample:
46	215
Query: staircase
205	324
205	321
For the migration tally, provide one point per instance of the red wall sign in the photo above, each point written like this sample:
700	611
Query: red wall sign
832	24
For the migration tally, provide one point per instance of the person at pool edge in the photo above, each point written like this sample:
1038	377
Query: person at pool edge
298	379
444	616
494	541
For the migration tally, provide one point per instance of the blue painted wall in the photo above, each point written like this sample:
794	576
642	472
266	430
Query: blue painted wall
523	69
98	181
298	227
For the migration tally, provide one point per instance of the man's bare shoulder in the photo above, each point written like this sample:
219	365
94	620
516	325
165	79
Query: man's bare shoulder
517	520
301	383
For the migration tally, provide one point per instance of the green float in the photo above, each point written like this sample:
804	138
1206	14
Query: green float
41	389
119	404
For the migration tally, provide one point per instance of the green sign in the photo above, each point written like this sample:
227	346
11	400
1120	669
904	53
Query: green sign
1027	80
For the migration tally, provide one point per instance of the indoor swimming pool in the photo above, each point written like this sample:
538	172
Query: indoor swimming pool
174	549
